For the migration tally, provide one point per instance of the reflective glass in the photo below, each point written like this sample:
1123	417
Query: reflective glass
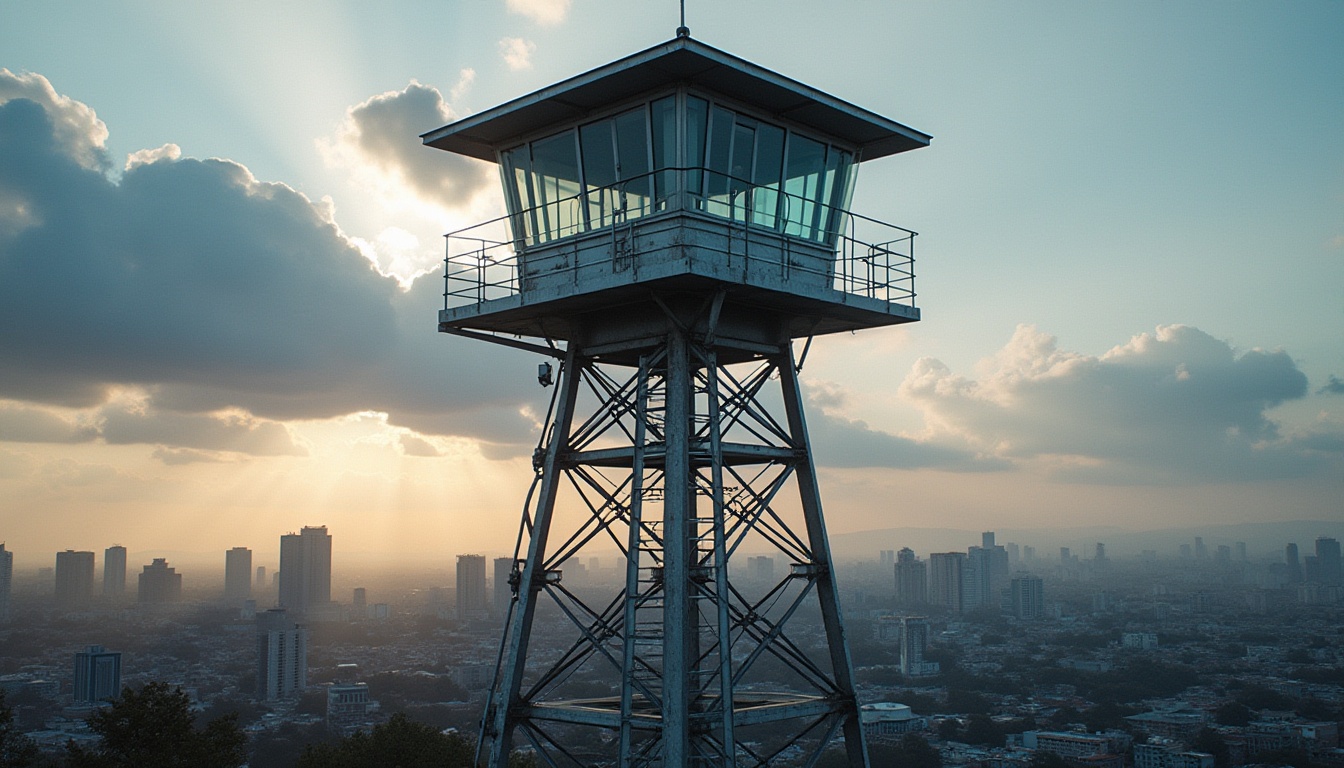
721	124
664	124
598	147
632	161
765	178
555	184
803	172
697	122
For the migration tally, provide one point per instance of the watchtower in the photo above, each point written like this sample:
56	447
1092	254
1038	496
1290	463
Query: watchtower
676	220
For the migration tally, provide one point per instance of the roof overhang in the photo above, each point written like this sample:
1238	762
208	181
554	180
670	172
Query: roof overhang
679	61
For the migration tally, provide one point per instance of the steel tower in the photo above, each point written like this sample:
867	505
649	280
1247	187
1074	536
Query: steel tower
676	220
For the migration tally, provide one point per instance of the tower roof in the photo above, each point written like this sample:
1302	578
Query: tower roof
681	60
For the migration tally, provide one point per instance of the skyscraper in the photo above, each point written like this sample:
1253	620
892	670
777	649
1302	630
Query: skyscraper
74	577
114	571
160	583
945	579
97	674
305	569
237	575
914	640
912	578
6	581
282	656
470	586
1327	560
885	559
502	589
985	575
1294	565
1028	596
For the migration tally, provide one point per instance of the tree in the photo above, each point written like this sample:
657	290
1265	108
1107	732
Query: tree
1210	742
155	727
15	749
399	743
980	729
1233	713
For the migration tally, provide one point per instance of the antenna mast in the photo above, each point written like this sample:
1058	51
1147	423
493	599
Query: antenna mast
683	30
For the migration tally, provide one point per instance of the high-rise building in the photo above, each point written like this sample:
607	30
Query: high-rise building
261	577
97	674
237	575
886	558
1240	547
114	571
470	586
914	640
282	656
347	708
1100	556
503	590
761	568
987	540
1201	552
945	579
912	578
305	569
6	581
160	583
74	577
985	575
1028	596
359	603
1294	565
1327	561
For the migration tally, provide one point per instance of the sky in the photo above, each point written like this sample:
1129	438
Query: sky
220	244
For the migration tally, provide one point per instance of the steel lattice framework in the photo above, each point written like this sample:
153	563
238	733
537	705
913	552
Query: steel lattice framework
684	464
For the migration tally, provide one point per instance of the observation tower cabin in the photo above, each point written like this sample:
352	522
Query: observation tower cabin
677	182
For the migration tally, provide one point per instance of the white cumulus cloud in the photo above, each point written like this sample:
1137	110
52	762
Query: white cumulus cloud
517	52
547	12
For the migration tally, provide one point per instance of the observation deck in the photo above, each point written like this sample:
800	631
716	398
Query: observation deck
683	182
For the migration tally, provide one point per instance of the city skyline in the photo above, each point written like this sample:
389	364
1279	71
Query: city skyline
1130	295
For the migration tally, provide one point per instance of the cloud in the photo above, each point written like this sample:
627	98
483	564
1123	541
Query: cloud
845	443
1174	406
517	52
78	131
416	446
20	423
545	12
146	156
179	456
237	432
383	132
211	291
1333	386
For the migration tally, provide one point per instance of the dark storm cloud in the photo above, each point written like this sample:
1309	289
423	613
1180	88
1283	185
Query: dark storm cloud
211	290
1174	406
1333	386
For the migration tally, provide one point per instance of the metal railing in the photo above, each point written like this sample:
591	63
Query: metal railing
871	258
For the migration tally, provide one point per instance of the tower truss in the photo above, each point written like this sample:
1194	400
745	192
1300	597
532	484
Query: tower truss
687	466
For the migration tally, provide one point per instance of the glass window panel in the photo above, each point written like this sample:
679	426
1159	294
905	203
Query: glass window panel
519	193
766	177
841	188
721	125
555	182
803	170
739	182
664	124
632	160
598	148
697	123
